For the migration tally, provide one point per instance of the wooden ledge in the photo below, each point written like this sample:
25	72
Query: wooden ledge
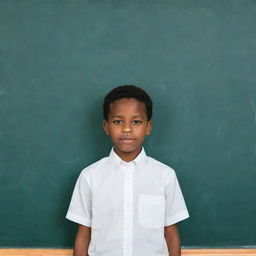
219	252
36	252
186	252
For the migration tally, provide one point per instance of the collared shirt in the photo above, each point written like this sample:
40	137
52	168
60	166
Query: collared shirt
127	205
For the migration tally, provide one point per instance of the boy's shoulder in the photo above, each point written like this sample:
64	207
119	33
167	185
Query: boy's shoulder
96	165
157	163
103	165
160	166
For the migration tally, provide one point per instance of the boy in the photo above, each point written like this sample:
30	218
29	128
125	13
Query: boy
127	204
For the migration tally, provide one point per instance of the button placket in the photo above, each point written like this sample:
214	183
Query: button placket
128	212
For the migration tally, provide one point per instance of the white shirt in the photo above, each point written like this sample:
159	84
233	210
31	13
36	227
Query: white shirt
127	205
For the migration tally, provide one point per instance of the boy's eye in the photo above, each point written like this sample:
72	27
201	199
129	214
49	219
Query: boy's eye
117	121
137	122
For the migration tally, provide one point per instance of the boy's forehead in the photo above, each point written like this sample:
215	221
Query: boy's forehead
127	105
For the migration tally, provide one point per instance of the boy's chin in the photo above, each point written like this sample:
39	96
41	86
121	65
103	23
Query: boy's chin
127	149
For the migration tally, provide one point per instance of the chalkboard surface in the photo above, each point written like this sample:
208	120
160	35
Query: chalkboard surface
196	58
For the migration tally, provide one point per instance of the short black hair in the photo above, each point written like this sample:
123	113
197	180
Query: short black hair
127	91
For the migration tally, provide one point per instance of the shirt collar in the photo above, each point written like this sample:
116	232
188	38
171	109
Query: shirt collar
137	162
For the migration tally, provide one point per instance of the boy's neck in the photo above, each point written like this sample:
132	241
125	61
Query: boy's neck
128	156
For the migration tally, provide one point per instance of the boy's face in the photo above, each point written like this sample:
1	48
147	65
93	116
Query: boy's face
127	125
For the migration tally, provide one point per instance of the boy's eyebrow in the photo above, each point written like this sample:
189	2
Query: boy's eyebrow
116	116
137	116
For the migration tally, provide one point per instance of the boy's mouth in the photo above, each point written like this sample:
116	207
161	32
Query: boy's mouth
127	140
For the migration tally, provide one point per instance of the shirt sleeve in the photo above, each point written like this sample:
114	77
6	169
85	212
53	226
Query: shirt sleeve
80	208
175	207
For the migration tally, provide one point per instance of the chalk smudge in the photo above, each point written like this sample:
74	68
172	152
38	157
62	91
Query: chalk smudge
254	109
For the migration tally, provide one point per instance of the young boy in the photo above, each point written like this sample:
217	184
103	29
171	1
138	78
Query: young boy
127	204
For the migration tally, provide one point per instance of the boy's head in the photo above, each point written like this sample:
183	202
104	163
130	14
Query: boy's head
127	91
127	112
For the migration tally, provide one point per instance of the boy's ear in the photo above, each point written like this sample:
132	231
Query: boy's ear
149	127
106	126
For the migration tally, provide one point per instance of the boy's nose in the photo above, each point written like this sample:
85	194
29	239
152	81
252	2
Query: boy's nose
126	128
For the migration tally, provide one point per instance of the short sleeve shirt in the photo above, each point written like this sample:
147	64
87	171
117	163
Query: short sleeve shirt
127	205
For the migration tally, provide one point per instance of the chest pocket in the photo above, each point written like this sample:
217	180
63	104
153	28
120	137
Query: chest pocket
151	211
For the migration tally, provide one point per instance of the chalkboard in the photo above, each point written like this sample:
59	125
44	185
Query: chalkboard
196	58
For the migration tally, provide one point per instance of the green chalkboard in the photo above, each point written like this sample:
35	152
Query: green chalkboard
196	58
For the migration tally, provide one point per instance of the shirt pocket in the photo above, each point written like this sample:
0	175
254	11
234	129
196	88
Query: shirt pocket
151	211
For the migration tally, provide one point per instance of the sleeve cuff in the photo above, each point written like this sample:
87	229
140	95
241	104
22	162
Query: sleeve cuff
78	219
176	218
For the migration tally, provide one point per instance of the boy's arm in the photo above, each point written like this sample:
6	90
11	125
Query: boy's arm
83	238
172	238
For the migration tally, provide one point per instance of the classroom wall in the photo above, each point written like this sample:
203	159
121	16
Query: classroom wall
196	59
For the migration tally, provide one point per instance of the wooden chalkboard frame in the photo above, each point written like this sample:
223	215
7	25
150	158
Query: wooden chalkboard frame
69	252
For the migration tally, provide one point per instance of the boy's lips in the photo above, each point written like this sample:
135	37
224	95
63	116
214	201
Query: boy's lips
127	140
